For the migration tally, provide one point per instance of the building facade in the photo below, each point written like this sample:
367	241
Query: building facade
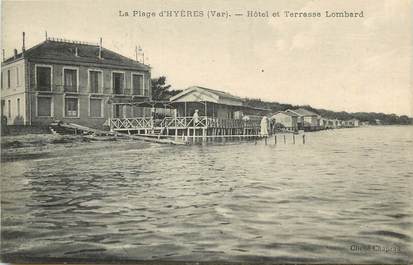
72	82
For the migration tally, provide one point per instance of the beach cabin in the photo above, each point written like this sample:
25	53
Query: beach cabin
283	120
354	122
208	102
307	120
323	122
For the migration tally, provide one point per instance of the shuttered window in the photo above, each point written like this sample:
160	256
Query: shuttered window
71	107
44	106
70	80
95	81
44	77
96	108
118	82
137	83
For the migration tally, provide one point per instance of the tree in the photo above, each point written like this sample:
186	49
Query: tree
162	91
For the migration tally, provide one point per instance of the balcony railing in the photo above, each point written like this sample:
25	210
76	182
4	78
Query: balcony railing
85	89
140	92
70	88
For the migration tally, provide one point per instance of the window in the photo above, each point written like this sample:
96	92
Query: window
18	107
95	81
118	111
44	106
146	87
17	76
118	82
44	78
9	108
71	107
70	80
8	78
137	84
3	103
96	108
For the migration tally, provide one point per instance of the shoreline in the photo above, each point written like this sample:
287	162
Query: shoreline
36	146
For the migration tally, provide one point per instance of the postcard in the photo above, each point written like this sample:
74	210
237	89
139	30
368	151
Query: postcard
206	132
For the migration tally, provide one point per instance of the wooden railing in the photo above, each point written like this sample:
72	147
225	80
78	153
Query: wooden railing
131	123
181	123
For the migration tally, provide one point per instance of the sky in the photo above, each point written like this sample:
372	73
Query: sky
350	64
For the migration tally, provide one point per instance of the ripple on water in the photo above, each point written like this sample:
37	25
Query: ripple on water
225	202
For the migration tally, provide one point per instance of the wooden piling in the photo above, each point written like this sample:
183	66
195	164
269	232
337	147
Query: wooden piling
293	139
303	138
193	136
284	140
275	139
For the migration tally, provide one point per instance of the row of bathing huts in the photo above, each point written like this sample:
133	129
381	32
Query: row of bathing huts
203	113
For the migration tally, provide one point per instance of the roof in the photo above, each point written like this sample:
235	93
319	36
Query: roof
87	53
207	94
286	113
302	112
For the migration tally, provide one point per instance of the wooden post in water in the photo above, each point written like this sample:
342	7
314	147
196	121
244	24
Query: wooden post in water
204	135
293	139
284	140
303	138
275	139
193	136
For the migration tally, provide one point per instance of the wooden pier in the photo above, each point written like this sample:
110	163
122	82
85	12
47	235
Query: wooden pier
205	128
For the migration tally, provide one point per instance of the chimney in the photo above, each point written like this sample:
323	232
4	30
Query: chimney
100	49
15	53
24	43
